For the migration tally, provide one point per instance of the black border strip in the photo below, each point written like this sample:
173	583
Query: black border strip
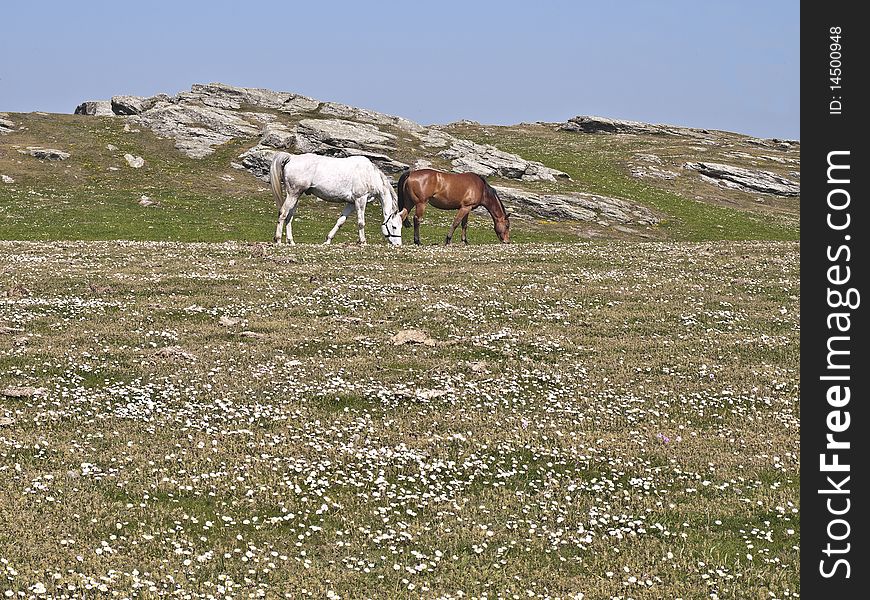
834	230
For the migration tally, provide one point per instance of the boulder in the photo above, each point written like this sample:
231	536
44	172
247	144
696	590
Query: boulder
277	135
592	124
749	180
6	126
134	105
137	162
46	153
257	160
486	160
312	135
95	108
576	206
229	97
347	112
195	129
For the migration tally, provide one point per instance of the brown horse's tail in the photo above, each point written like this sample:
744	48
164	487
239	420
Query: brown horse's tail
276	176
403	196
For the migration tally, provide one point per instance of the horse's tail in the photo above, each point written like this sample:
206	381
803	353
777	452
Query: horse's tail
276	176
403	196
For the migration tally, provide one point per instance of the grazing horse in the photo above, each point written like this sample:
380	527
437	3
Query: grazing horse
353	180
463	191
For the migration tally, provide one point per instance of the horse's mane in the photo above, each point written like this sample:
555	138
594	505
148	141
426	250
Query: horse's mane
490	191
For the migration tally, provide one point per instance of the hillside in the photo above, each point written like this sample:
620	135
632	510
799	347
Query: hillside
203	150
609	408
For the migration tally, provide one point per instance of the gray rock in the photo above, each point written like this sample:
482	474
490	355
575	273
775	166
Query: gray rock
6	179
137	162
313	134
134	105
257	160
749	180
6	126
195	129
592	124
220	95
346	112
576	206
434	138
95	108
486	160
46	153
277	135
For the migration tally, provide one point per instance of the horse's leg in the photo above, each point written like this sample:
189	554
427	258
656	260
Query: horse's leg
465	229
294	202
461	215
288	208
345	213
361	218
418	218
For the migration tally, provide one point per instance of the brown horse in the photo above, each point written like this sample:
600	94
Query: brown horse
463	191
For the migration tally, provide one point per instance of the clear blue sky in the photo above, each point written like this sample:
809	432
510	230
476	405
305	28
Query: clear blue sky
716	64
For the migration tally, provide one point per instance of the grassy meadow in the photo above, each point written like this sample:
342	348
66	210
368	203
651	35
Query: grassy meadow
189	411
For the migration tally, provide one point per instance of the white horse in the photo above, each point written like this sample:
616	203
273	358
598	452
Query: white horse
354	180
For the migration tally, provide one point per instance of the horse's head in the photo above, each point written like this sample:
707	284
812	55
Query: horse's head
503	228
391	229
500	215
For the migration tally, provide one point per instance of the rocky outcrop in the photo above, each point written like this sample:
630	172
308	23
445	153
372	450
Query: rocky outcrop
228	97
197	129
46	153
748	180
6	126
592	124
134	105
486	160
576	206
277	135
212	114
95	108
323	135
363	115
257	160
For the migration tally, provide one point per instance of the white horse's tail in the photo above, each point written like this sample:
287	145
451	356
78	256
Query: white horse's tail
276	176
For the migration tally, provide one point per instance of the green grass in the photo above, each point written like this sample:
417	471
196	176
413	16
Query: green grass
597	164
82	198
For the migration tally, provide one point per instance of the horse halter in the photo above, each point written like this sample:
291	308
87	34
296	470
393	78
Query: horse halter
390	234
